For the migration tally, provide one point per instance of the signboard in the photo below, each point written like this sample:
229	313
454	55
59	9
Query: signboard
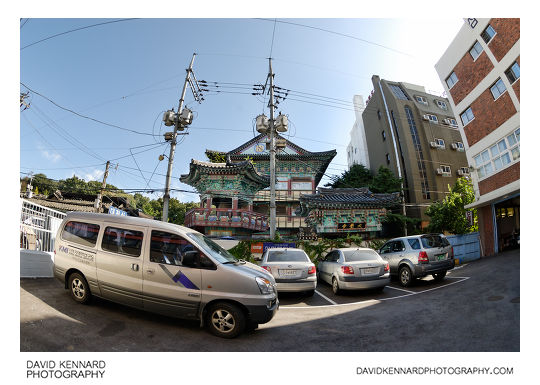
351	226
257	248
272	245
115	211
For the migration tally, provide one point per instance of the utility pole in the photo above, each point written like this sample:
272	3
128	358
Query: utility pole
98	204
166	196
272	156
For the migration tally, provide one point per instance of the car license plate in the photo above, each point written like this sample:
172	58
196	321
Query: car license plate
441	257
287	273
370	270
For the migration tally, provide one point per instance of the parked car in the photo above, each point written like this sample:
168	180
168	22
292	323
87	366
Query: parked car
291	268
354	268
417	256
163	268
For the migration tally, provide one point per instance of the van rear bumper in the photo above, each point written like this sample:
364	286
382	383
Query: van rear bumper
261	314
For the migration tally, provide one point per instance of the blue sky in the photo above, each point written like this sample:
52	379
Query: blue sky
128	73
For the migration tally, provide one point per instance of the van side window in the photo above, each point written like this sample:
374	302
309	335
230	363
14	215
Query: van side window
172	249
122	241
82	233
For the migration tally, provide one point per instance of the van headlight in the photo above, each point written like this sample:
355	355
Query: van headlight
265	286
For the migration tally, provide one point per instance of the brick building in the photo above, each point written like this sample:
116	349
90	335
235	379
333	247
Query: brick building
480	71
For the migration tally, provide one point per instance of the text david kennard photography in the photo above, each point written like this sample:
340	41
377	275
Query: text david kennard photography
65	369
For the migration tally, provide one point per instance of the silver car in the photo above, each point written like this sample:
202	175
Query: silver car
291	268
354	268
417	256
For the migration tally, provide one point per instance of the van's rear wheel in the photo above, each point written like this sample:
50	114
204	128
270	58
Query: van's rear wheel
225	320
78	288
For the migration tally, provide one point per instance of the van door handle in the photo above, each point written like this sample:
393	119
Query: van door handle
134	267
150	271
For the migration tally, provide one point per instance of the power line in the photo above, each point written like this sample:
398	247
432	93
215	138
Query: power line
74	30
84	116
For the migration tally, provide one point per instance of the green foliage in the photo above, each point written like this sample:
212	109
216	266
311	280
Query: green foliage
242	250
385	182
357	176
449	215
215	157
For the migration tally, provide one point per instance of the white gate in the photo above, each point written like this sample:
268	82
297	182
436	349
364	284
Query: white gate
38	226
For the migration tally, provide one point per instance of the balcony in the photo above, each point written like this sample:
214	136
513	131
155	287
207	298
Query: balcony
226	218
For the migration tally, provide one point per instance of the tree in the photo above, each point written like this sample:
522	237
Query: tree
449	215
357	176
385	182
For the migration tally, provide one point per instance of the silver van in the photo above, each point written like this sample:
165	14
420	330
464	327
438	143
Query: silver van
163	268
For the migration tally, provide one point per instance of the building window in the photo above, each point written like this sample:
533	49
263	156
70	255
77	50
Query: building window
444	170
464	171
421	99
384	136
458	146
498	156
441	104
512	73
497	89
431	118
488	33
387	158
476	50
440	143
398	92
467	116
379	114
451	80
450	121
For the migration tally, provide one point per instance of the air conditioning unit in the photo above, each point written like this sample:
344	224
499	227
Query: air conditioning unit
433	144
439	171
454	146
446	121
460	172
425	117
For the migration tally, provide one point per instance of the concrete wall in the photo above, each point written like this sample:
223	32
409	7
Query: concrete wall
36	264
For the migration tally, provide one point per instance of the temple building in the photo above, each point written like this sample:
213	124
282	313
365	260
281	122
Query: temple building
227	191
234	189
336	212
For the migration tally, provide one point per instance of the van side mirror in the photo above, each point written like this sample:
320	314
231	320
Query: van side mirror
189	258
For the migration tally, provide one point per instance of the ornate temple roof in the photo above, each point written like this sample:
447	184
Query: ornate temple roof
346	198
256	149
243	169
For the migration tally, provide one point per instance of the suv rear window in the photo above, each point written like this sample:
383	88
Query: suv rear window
287	256
80	232
360	255
430	241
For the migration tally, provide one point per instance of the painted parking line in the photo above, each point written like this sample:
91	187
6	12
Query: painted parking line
326	298
409	293
398	288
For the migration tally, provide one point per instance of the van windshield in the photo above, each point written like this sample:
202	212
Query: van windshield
212	248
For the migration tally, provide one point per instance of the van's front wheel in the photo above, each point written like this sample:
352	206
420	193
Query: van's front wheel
225	320
78	288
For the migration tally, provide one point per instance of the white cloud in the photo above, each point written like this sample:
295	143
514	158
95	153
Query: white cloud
52	156
89	176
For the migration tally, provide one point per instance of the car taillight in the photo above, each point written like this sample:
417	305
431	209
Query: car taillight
347	270
422	257
452	252
387	267
267	268
311	270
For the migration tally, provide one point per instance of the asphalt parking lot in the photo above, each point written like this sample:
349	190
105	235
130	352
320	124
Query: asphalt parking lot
475	308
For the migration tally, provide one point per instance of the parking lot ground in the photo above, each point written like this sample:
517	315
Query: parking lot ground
476	308
324	295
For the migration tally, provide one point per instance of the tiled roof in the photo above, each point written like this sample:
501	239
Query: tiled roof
350	197
197	168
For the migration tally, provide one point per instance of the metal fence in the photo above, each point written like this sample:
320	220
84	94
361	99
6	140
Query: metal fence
466	246
38	226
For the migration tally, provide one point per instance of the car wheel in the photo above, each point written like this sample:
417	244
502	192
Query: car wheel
335	286
225	320
439	276
78	288
310	293
405	276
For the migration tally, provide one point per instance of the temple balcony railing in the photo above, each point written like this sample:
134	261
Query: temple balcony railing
241	218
